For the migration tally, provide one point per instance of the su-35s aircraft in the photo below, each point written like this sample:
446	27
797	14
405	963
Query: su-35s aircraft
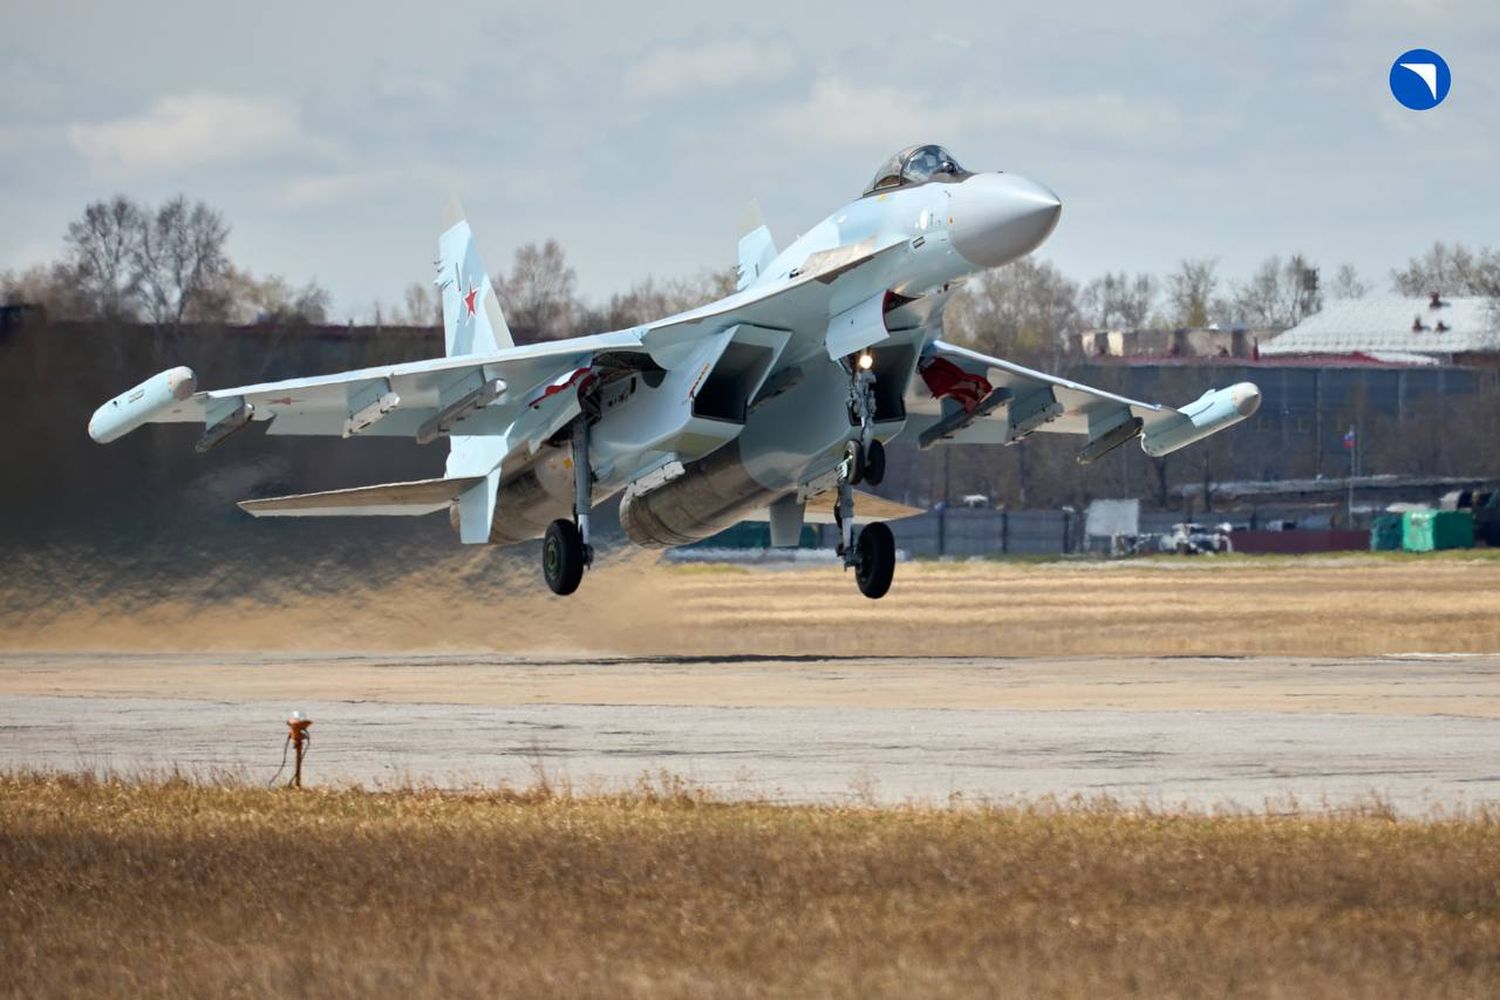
770	404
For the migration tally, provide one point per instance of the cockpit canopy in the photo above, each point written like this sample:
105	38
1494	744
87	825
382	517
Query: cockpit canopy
916	165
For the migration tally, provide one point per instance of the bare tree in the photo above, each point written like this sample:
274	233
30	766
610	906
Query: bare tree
182	266
54	287
1307	290
1279	294
102	251
421	306
1454	270
651	299
273	299
1191	291
1021	310
1347	284
538	294
1118	301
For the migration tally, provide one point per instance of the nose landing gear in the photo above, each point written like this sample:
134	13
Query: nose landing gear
873	556
865	453
866	462
876	564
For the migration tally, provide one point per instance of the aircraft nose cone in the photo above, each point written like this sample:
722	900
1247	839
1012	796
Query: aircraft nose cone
998	218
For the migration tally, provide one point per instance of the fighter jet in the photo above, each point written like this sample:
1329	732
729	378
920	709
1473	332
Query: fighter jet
773	403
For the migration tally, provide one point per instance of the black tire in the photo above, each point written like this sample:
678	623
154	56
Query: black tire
562	557
877	560
855	452
874	463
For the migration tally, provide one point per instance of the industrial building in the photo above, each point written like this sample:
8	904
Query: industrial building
1397	330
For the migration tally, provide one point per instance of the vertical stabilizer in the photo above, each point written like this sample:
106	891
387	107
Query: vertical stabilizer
472	324
472	321
757	247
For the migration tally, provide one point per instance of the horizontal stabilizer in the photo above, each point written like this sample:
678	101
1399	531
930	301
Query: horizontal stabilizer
423	496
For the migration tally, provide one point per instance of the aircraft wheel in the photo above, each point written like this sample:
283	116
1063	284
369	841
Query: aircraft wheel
856	455
875	463
562	557
877	560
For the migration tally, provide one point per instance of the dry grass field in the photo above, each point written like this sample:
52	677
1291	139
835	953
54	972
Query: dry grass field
174	889
1353	604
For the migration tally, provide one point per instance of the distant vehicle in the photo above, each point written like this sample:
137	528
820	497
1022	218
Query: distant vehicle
1190	539
1484	506
975	501
772	403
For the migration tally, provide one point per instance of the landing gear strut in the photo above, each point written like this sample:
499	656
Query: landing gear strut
865	453
873	553
566	549
873	556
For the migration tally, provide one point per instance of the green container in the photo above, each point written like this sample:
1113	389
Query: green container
1433	530
1385	533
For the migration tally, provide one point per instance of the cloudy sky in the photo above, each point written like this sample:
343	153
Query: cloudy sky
331	133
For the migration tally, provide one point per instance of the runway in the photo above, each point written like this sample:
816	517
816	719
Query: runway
1419	732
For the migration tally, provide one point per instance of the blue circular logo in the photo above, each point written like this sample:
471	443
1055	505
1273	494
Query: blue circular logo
1420	79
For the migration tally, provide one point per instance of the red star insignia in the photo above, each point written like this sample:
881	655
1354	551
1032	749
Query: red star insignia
283	401
469	299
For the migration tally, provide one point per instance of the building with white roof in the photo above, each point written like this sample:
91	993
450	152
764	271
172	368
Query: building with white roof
1397	329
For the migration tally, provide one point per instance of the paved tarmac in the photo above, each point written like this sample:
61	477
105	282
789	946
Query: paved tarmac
1206	732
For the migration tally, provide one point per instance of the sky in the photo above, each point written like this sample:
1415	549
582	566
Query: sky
330	134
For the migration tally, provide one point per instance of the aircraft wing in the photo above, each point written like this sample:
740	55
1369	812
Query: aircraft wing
490	392
832	289
419	399
964	397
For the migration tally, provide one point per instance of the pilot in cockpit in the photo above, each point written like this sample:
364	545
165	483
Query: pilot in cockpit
917	165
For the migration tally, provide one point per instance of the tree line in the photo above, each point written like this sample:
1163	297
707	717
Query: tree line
127	261
131	262
168	265
539	296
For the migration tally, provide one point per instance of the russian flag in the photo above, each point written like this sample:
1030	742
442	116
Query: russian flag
1349	438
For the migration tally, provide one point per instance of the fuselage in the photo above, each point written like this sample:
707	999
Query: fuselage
693	457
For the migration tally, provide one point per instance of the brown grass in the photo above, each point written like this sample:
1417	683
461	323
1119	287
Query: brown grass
1312	606
173	888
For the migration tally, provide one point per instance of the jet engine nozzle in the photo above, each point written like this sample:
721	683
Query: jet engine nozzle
998	218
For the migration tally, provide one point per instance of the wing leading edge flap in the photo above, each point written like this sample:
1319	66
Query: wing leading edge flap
411	499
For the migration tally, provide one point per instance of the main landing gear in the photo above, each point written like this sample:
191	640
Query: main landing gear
566	551
873	556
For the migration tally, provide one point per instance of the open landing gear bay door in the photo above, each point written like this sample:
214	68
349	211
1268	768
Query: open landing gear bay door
867	508
964	397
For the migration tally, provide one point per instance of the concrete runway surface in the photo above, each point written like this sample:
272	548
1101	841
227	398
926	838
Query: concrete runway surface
1417	731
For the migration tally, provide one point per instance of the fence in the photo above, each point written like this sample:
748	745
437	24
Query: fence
963	532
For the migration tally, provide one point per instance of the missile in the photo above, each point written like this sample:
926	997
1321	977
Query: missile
1210	413
139	405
